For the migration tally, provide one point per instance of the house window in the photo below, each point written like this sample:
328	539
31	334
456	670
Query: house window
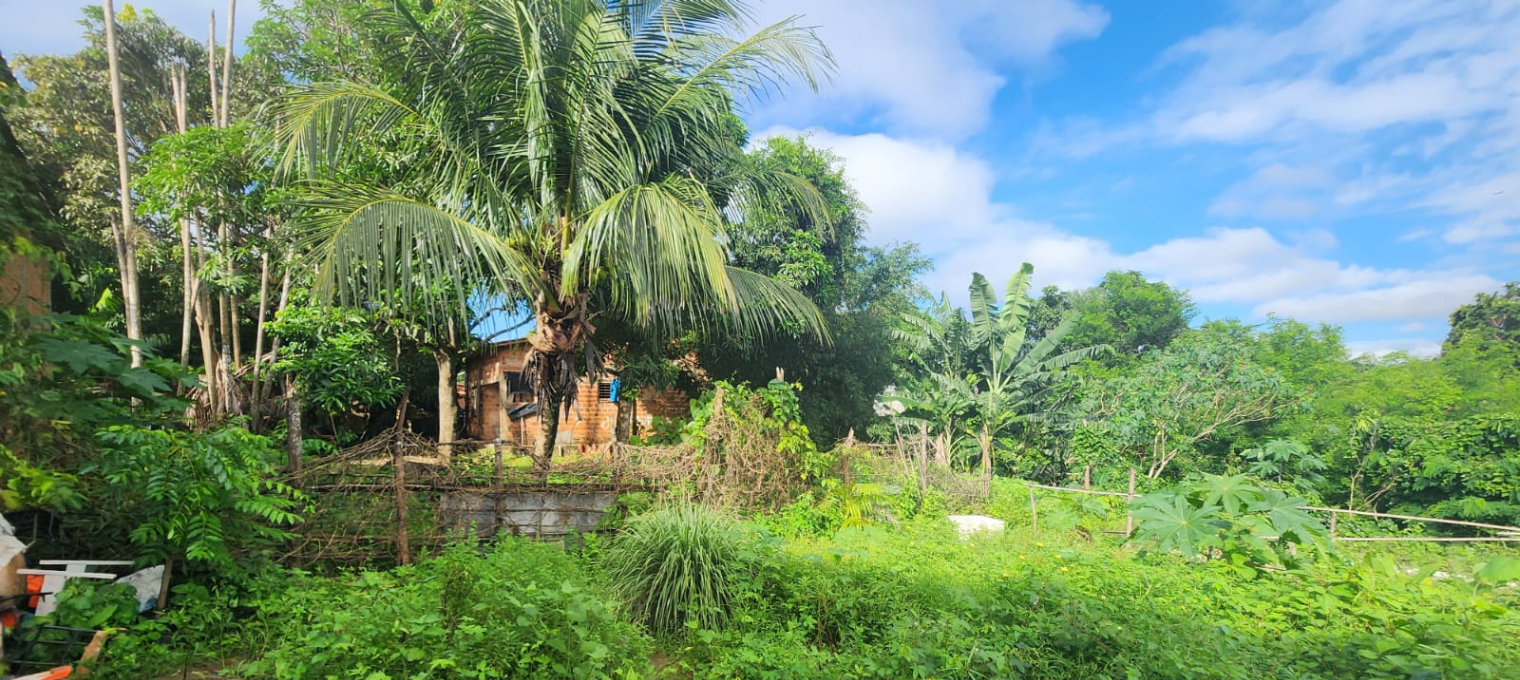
604	390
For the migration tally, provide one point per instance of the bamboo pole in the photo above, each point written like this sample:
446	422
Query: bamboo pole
1385	515
1089	492
1442	539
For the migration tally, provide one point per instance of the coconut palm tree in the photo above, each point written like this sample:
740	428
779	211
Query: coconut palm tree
579	155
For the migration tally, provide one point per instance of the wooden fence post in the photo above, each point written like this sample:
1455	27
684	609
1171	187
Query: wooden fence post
1034	513
1333	517
1129	517
498	444
403	545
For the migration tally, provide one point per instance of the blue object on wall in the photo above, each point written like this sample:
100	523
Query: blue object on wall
616	391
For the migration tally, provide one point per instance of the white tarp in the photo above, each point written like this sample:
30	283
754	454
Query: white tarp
968	525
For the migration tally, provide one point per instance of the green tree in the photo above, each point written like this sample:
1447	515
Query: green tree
554	151
861	291
1017	375
1201	389
1489	318
1131	315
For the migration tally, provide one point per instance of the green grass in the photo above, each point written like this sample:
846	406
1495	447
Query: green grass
680	565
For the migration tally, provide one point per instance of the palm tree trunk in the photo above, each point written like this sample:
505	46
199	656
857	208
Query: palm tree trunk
548	430
447	403
131	299
622	429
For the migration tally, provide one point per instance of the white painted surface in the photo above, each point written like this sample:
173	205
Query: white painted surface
968	525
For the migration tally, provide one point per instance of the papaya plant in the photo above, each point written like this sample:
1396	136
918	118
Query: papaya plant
1247	527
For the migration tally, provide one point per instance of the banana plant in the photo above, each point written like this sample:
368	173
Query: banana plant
1016	376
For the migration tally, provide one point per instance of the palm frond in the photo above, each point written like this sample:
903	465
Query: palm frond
372	244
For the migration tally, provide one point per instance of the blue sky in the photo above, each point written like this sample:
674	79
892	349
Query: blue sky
1346	161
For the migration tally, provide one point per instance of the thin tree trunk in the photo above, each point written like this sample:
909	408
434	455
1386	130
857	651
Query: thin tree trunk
164	581
227	66
228	317
548	431
206	326
292	426
447	403
274	346
211	67
258	332
187	306
128	232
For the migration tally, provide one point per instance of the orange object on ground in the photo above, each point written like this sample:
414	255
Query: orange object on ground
9	618
34	588
58	673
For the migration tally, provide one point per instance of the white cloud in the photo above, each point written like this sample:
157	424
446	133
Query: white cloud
941	198
1425	297
925	68
1397	104
1381	348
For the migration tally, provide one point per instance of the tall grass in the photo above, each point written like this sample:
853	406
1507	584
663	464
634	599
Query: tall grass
681	564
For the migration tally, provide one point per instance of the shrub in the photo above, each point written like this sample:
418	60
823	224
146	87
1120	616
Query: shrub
680	566
522	610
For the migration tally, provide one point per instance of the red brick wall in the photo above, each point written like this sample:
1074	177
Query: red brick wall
25	285
590	424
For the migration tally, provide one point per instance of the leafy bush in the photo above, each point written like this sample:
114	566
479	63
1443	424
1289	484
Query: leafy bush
521	610
199	496
61	378
920	603
679	566
1231	519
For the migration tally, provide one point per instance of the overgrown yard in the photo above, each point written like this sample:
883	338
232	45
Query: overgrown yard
720	598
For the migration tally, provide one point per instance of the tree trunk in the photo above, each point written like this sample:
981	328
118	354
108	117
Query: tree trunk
262	386
448	402
187	301
227	66
623	428
942	449
292	427
205	326
165	580
131	299
258	333
211	67
548	431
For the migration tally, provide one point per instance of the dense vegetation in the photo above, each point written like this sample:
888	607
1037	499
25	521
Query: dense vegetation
321	231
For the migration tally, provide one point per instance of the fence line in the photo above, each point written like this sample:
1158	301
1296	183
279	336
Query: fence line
1506	533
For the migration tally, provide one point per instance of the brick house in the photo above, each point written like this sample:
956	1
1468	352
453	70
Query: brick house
589	425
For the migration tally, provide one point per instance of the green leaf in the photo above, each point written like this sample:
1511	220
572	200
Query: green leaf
1174	524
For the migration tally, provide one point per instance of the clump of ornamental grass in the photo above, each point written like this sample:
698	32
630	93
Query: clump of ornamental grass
680	566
